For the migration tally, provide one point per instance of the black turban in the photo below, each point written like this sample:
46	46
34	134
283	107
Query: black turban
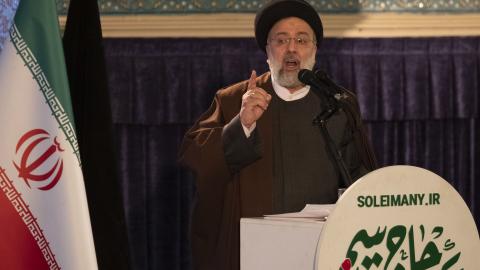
276	10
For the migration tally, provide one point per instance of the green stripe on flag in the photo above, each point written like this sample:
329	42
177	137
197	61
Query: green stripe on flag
38	25
36	37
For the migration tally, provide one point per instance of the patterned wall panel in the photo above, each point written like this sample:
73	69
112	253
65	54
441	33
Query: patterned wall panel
250	6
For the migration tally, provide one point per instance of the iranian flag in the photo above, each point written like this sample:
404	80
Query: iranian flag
44	219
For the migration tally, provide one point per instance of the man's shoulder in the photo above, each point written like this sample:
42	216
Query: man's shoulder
238	89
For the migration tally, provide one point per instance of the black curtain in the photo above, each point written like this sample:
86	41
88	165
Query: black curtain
87	76
419	98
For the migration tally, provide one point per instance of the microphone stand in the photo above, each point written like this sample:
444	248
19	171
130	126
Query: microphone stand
330	106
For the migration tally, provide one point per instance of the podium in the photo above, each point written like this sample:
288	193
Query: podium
398	217
278	244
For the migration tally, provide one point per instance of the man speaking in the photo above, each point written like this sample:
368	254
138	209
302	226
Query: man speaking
255	151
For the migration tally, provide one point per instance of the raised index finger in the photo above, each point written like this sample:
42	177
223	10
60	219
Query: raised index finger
252	81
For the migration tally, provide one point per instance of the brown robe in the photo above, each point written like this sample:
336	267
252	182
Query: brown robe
223	198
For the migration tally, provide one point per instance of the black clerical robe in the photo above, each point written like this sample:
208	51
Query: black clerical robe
225	194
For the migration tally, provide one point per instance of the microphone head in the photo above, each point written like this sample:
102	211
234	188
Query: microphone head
306	76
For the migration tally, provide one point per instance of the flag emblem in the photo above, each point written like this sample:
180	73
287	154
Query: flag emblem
40	159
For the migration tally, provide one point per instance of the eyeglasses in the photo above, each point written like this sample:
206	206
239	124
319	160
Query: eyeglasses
299	41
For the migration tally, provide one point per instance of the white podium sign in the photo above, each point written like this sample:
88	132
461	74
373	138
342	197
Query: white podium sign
399	218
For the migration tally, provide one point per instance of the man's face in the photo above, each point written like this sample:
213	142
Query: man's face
291	46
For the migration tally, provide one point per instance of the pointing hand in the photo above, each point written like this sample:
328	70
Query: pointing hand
254	102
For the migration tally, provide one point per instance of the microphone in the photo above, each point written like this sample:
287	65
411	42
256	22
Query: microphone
310	78
330	95
322	76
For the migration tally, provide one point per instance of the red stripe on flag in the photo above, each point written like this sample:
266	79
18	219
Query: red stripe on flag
18	248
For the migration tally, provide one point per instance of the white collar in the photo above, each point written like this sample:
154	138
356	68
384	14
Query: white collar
284	94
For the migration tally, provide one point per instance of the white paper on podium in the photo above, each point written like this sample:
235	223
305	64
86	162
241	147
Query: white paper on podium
310	212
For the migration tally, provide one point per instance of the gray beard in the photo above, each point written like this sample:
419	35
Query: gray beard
287	80
290	80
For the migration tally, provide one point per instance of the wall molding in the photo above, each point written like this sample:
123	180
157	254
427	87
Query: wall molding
339	25
165	7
